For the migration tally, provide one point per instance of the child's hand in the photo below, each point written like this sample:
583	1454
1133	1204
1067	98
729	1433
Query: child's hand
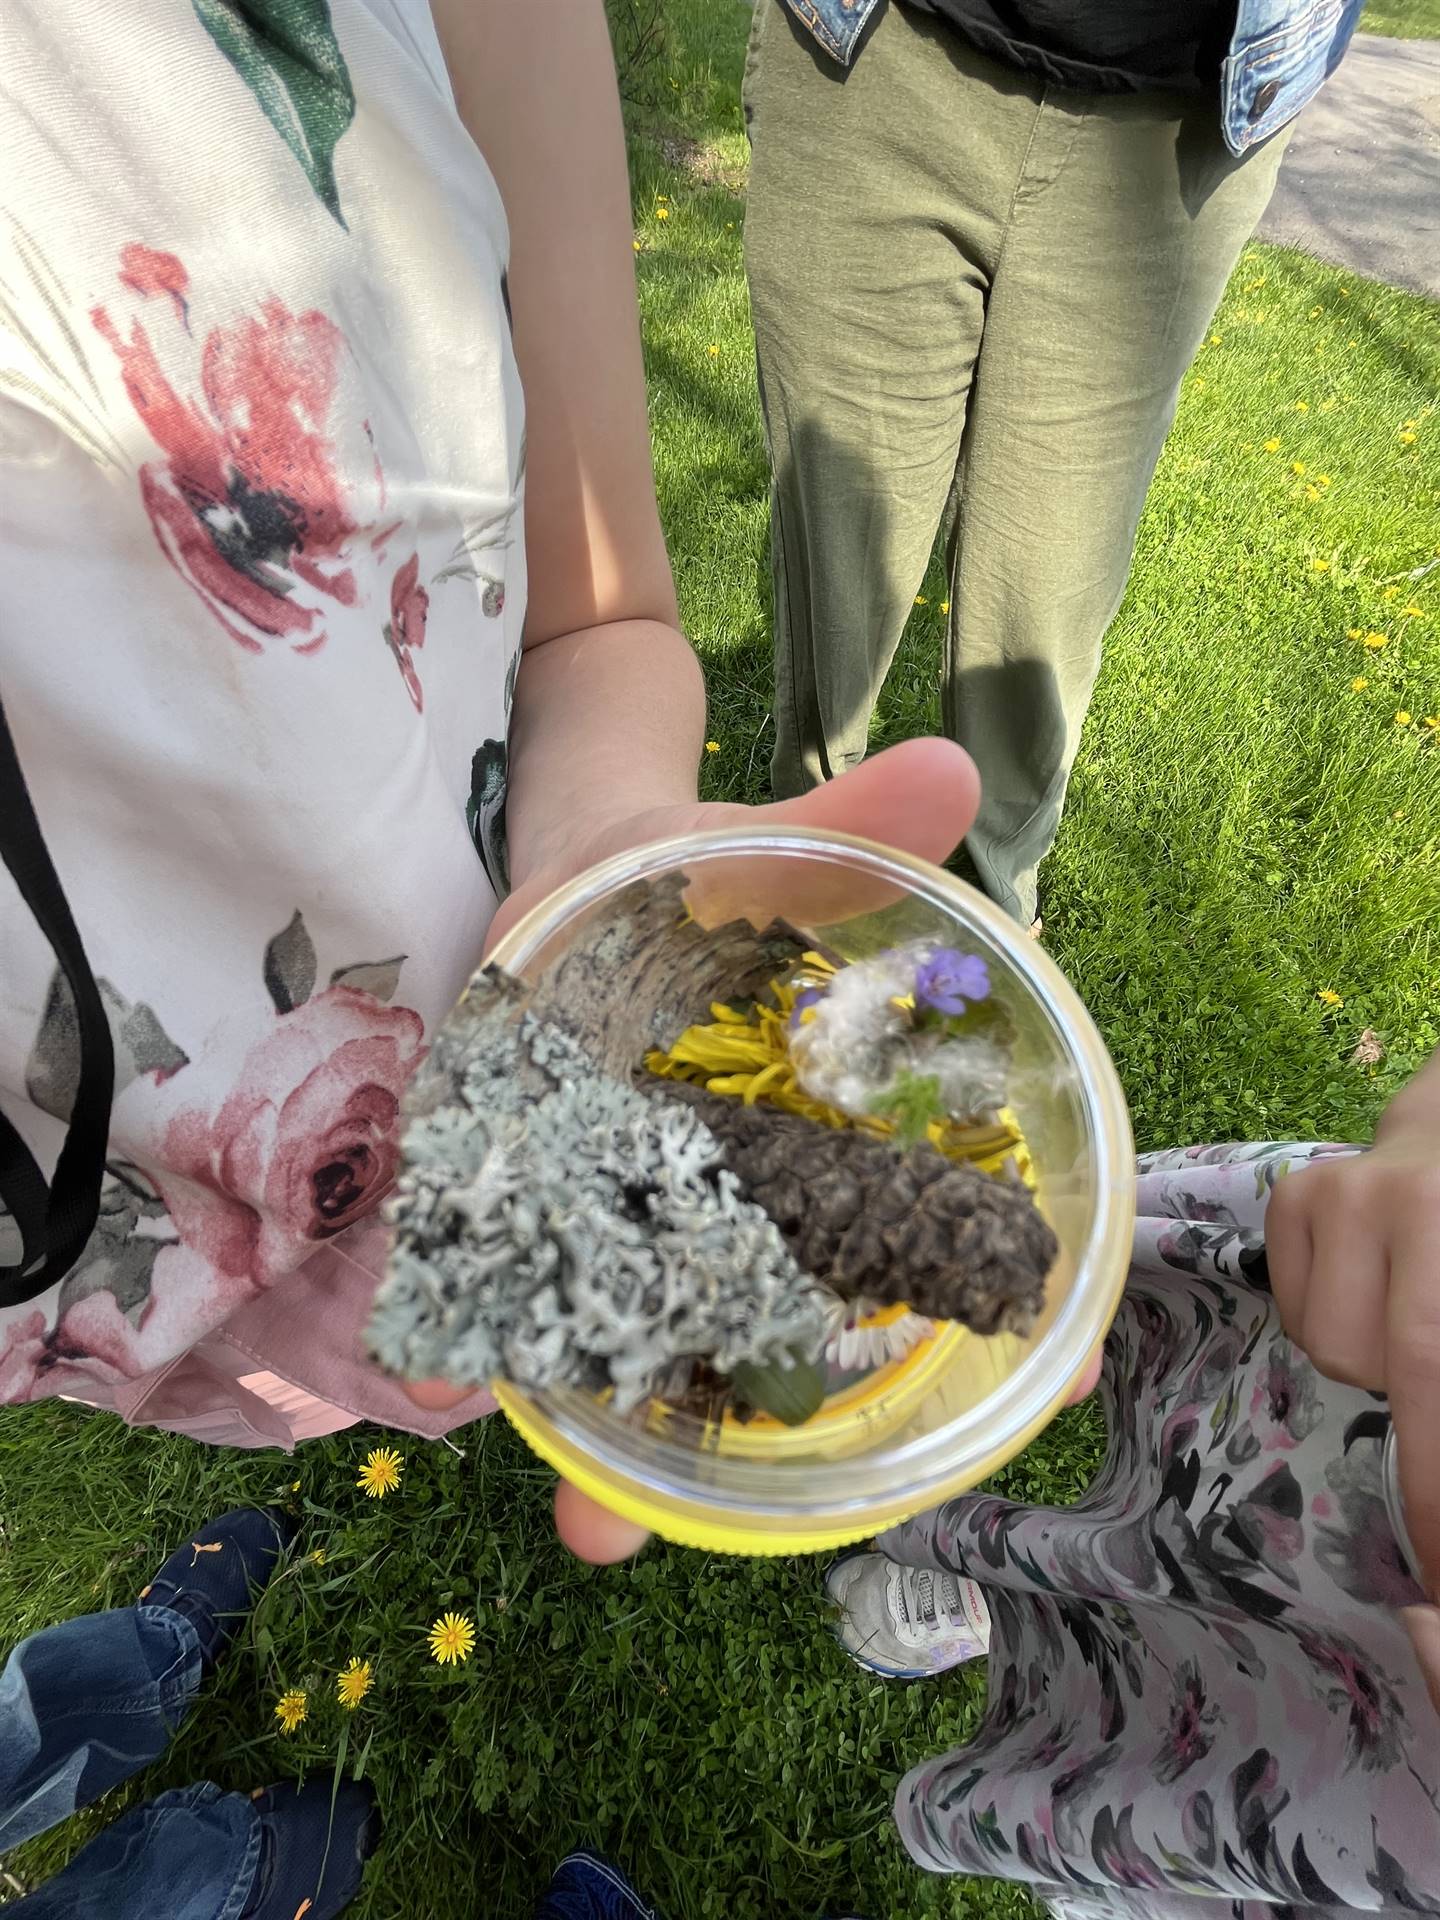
1354	1254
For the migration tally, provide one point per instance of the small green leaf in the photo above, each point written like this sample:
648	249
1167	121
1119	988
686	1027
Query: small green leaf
287	54
791	1394
911	1102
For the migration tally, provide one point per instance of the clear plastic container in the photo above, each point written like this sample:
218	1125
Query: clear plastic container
894	1438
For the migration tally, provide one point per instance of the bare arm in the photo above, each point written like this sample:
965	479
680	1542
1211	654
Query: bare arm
609	708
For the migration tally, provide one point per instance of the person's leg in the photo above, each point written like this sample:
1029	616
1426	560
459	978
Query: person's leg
84	1705
875	210
1127	220
200	1854
87	1703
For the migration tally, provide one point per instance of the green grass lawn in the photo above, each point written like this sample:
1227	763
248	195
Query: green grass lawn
1402	19
1248	829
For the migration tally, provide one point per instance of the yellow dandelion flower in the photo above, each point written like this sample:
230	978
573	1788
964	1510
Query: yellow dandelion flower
712	351
1320	566
381	1472
292	1709
921	601
1391	593
318	1557
1407	439
1355	633
353	1682
1359	683
1412	613
1398	814
662	213
712	746
637	246
294	1486
1272	446
1432	721
944	606
1312	493
1375	641
1328	997
452	1639
1215	340
1409	426
1297	466
1198	381
1323	480
1302	406
1402	718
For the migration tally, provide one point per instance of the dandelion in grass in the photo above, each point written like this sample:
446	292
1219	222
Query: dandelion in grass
1391	593
1328	997
1302	406
1432	721
1375	641
662	213
1355	633
317	1557
452	1639
1320	566
1412	613
1323	480
944	606
1359	683
1297	466
1215	340
1402	718
921	601
637	246
381	1472
353	1682
1313	493
712	746
713	351
1408	439
292	1709
1272	446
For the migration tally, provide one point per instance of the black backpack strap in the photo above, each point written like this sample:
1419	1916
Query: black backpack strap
54	1224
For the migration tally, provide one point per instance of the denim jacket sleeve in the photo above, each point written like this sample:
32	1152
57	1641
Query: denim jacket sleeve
1282	53
836	24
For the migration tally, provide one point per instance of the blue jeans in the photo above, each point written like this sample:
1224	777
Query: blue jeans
82	1707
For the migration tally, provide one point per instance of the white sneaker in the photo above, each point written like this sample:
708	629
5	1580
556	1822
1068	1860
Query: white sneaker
906	1622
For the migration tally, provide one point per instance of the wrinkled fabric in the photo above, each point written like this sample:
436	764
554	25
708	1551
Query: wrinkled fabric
1202	1699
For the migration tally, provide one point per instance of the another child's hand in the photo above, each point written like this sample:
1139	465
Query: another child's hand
1354	1255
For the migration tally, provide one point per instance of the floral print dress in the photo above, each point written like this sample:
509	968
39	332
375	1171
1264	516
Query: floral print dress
261	592
1201	1699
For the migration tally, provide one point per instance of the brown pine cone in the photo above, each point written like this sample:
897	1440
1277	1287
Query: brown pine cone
884	1225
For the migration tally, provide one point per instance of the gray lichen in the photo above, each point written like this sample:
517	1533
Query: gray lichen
552	1226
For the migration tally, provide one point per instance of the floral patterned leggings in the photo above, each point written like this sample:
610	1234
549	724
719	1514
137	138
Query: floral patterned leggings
1201	1700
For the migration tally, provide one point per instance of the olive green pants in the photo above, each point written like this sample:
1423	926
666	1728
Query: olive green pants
974	298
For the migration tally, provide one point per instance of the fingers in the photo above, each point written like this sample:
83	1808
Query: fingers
591	1531
1413	1384
1329	1269
921	797
435	1396
1089	1379
1423	1626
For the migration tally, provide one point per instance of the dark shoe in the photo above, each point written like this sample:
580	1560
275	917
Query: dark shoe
217	1576
312	1853
587	1887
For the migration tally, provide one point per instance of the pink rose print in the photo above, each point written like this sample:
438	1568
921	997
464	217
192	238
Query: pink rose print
409	609
247	502
22	1348
302	1143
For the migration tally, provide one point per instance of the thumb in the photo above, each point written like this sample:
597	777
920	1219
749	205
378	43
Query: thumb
921	797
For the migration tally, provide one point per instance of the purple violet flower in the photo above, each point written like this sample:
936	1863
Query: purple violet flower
811	997
949	982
